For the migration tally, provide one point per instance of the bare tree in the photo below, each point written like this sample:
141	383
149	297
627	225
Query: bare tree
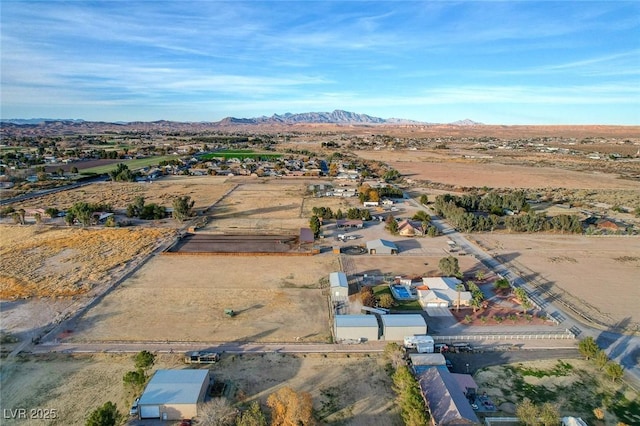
217	412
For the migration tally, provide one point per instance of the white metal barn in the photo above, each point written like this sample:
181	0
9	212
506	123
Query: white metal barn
396	327
174	394
380	246
339	286
356	327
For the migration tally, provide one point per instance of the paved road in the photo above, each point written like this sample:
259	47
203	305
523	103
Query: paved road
622	348
470	363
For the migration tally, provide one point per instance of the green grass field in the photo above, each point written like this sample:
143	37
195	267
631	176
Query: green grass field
240	154
400	305
132	164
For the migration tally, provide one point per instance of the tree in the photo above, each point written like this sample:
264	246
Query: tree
615	371
449	266
135	379
394	353
422	216
601	359
549	415
333	169
392	224
51	212
253	416
314	224
459	288
588	347
374	195
527	412
502	284
409	398
183	207
366	296
522	296
107	415
291	408
74	170
144	360
424	199
480	275
217	412
386	301
122	173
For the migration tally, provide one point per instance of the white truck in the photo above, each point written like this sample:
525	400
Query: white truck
422	343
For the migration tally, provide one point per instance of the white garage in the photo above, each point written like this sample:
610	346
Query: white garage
356	327
396	327
339	286
174	394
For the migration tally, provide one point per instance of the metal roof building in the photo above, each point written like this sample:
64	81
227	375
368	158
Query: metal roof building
173	394
396	327
380	246
447	404
356	327
339	286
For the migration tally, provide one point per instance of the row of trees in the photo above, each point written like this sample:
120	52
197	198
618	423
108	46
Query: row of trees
145	211
457	210
408	393
591	351
122	174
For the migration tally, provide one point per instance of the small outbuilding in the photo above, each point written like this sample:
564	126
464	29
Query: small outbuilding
381	246
174	394
356	327
339	286
396	327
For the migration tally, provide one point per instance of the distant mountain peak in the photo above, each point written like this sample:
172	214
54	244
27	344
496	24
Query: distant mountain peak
466	122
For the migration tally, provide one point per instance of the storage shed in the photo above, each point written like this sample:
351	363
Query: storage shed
380	246
356	327
339	286
174	394
396	327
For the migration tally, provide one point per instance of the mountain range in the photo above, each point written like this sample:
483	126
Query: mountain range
335	117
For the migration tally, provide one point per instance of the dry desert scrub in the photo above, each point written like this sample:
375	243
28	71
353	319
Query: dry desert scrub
63	262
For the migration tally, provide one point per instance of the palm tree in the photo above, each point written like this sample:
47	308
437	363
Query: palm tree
459	288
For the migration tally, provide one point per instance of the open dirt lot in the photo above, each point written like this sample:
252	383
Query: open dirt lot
602	271
205	191
260	206
183	298
435	167
62	262
354	391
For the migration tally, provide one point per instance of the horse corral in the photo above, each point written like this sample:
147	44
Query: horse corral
240	245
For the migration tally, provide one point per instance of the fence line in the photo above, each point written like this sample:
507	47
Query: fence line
535	336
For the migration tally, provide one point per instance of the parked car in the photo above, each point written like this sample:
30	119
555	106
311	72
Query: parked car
449	364
185	422
134	407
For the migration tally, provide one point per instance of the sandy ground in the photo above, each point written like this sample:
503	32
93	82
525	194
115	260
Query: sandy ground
260	207
603	271
205	191
183	298
575	391
419	165
353	391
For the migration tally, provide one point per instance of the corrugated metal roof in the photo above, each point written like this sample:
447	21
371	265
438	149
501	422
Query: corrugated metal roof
356	321
338	279
403	320
379	243
447	403
174	387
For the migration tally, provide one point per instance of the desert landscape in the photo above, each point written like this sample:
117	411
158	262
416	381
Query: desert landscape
95	285
353	390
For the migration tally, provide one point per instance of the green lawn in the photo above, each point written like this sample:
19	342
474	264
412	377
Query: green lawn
132	164
400	305
240	154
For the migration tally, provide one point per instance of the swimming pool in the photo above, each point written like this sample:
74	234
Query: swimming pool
402	292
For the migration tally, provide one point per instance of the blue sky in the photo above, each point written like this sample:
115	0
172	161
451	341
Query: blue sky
498	62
